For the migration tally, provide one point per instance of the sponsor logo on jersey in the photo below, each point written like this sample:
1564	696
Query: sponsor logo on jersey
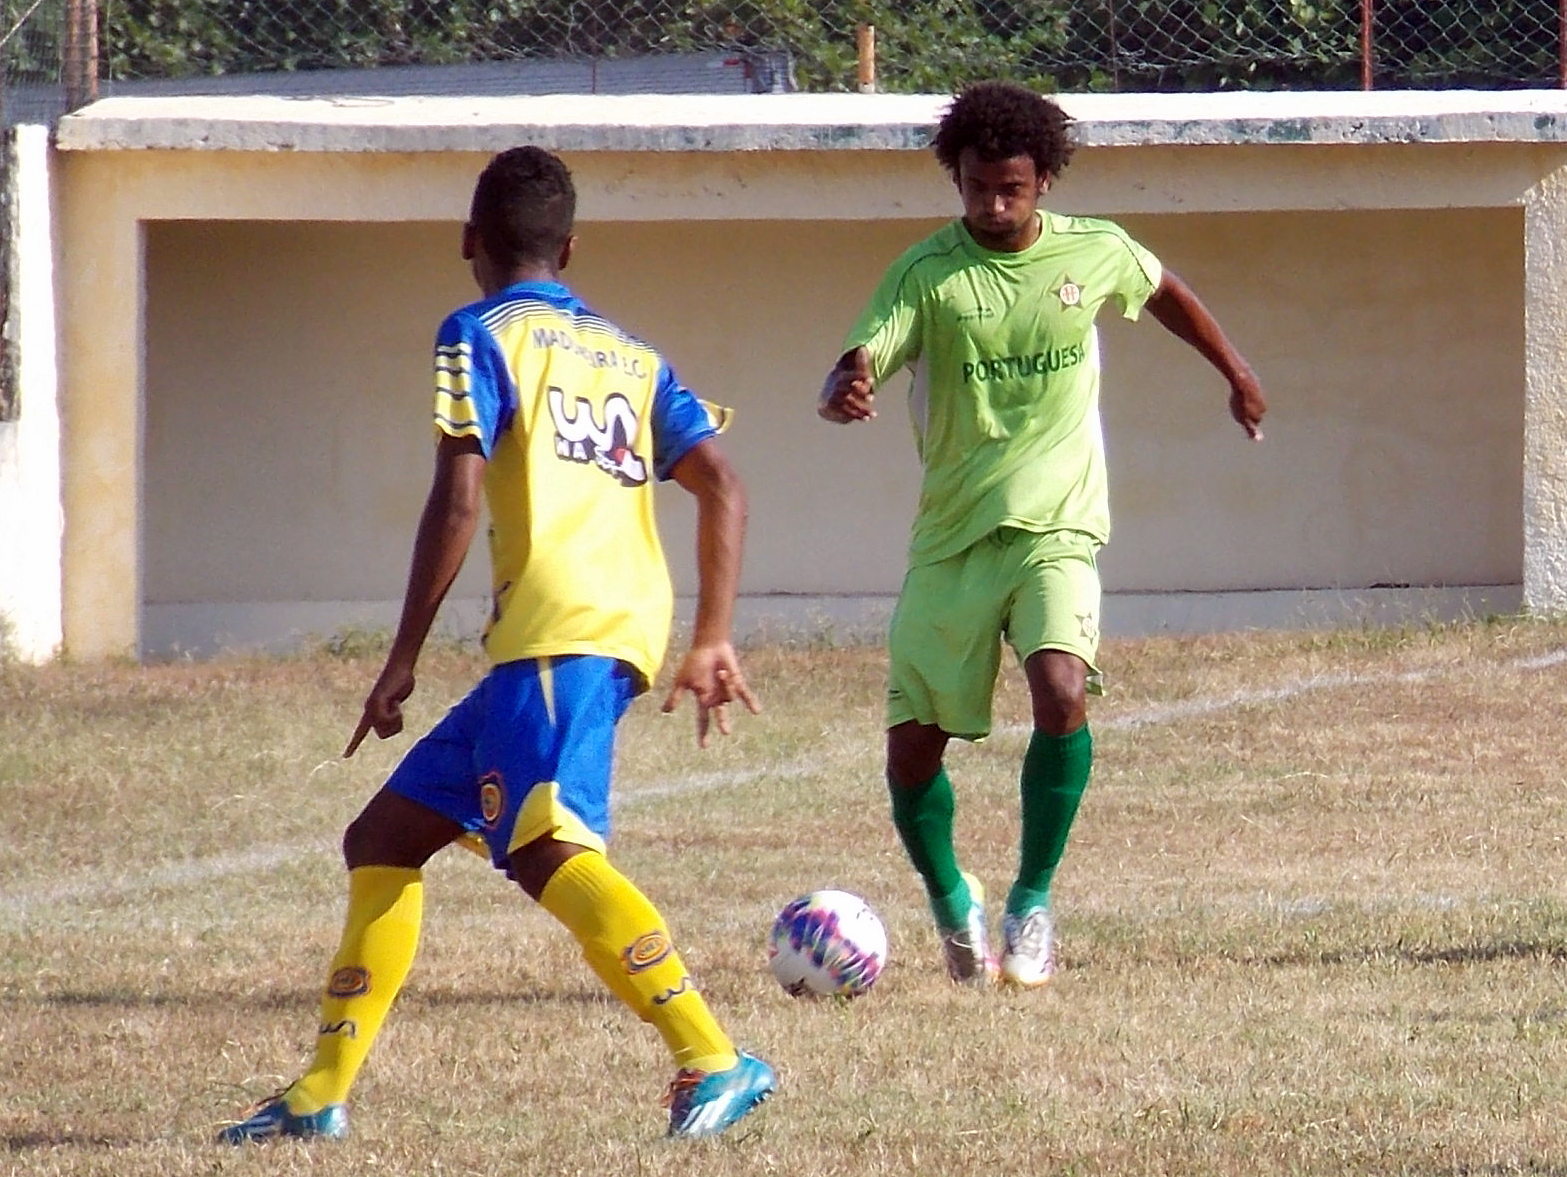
349	982
1039	363
646	951
976	314
581	437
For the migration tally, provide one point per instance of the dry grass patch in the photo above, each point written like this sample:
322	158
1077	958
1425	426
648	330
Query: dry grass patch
1313	921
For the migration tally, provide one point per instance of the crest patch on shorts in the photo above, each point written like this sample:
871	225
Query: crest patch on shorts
492	799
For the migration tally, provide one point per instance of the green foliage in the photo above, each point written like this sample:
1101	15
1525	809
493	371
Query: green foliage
923	45
1460	43
34	45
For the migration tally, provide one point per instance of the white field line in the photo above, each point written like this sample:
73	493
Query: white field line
1208	704
19	903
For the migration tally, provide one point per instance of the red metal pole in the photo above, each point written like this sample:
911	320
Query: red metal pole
865	54
1367	78
1115	49
1561	44
80	72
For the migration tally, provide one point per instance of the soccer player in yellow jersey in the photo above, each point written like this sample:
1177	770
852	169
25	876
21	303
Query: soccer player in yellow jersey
994	313
560	422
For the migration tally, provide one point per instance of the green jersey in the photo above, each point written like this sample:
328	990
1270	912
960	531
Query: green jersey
1005	400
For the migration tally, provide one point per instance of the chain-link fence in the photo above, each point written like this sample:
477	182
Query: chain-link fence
76	47
49	59
1467	44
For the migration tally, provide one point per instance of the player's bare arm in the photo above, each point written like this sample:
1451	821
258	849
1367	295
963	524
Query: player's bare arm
451	515
1180	310
710	671
849	392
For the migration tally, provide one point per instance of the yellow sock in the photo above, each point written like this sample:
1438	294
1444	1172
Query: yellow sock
626	943
380	937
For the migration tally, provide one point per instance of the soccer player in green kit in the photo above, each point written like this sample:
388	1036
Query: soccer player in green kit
995	314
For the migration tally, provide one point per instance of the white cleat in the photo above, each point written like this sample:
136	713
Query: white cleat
967	949
1030	957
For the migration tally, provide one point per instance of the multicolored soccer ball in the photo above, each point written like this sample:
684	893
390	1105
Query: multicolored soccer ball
827	944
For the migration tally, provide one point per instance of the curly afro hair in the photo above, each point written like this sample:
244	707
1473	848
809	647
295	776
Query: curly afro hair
524	206
1000	120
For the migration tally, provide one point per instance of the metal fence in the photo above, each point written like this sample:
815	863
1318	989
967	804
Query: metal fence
74	49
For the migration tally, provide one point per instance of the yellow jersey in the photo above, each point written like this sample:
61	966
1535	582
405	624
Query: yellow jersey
576	419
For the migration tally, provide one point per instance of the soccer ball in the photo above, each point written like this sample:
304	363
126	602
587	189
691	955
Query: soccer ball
827	944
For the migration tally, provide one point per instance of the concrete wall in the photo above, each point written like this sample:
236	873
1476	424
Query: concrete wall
250	295
287	381
31	515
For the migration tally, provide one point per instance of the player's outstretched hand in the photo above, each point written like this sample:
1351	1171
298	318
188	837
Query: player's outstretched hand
1247	404
712	675
849	393
383	711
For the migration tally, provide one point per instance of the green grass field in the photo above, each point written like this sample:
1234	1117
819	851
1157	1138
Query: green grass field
1313	921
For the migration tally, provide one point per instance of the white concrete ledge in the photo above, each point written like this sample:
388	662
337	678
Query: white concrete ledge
790	122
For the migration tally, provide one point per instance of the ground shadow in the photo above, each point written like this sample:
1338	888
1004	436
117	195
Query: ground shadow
273	1000
1424	954
33	1141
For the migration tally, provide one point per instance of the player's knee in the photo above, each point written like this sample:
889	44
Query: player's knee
1060	716
1058	689
910	772
533	864
365	843
1060	704
395	834
914	754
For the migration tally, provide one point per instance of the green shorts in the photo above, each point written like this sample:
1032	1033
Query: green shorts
1038	590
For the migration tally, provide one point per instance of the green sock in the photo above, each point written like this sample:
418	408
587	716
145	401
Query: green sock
1055	773
923	816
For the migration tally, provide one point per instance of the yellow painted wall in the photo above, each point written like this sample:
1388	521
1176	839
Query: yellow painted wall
1392	347
205	296
287	438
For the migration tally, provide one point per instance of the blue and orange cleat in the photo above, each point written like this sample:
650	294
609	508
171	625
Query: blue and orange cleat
271	1119
704	1103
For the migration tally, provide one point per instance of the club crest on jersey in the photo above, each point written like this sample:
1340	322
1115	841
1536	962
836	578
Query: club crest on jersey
1070	293
579	437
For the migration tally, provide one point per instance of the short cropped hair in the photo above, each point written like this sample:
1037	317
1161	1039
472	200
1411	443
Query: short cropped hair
1001	120
524	206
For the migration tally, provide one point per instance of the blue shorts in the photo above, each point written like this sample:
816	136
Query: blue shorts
527	754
